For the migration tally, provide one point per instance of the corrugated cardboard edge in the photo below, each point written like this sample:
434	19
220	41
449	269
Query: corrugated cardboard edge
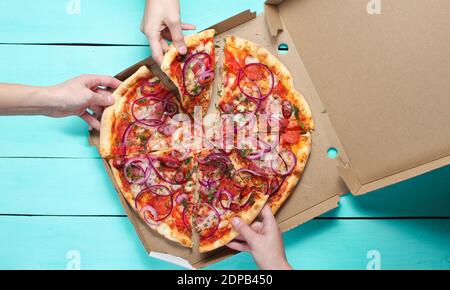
343	163
357	188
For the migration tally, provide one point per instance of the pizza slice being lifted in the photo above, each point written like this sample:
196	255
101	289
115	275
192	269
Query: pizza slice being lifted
193	73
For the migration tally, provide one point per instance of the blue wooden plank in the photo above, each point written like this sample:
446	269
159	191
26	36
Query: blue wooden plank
100	21
82	187
57	187
110	243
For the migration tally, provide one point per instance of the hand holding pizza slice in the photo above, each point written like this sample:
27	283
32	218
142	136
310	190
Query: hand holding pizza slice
193	73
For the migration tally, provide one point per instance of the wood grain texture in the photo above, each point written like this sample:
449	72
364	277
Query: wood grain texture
110	243
47	65
100	21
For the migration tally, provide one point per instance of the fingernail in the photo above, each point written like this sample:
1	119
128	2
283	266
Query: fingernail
111	99
235	221
182	49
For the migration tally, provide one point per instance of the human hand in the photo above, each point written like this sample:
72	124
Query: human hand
77	95
162	22
263	240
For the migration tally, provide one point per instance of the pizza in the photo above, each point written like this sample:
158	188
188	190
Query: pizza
252	154
193	73
258	89
142	119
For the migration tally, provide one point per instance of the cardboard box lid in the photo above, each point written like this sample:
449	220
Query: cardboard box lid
320	186
383	80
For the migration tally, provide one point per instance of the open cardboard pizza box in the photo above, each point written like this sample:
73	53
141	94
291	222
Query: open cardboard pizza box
378	86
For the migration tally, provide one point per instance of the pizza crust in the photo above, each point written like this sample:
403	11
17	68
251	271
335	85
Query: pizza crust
301	150
163	228
110	113
247	216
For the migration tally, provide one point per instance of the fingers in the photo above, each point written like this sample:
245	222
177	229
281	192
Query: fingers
94	81
267	215
98	111
91	120
164	45
177	36
155	46
187	26
237	246
256	226
102	100
244	230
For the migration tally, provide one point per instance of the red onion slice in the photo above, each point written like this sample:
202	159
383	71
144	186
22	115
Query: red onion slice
151	210
201	59
260	94
141	164
285	163
152	121
186	221
181	197
151	190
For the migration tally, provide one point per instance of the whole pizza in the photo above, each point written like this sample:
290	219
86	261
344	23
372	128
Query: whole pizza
186	176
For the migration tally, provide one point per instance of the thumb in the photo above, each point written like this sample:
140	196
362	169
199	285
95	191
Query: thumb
244	230
102	99
177	37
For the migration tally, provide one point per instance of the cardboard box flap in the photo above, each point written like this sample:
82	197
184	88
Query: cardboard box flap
382	75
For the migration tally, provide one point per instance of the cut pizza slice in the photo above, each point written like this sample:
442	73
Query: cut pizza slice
193	73
254	81
282	165
143	118
160	187
223	194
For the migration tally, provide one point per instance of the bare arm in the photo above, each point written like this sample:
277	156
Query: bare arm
73	97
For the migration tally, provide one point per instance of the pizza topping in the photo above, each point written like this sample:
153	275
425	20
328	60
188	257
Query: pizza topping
225	199
181	198
208	220
154	203
257	149
287	109
197	72
118	163
256	81
136	170
149	214
285	163
275	184
177	178
150	87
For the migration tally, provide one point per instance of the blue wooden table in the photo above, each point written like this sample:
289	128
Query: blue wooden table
59	210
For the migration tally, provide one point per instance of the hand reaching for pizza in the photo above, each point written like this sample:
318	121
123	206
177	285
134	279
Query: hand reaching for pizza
162	22
77	95
263	240
73	97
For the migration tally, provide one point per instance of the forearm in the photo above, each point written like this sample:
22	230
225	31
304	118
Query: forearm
24	100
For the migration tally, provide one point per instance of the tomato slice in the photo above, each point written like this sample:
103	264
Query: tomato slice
291	137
